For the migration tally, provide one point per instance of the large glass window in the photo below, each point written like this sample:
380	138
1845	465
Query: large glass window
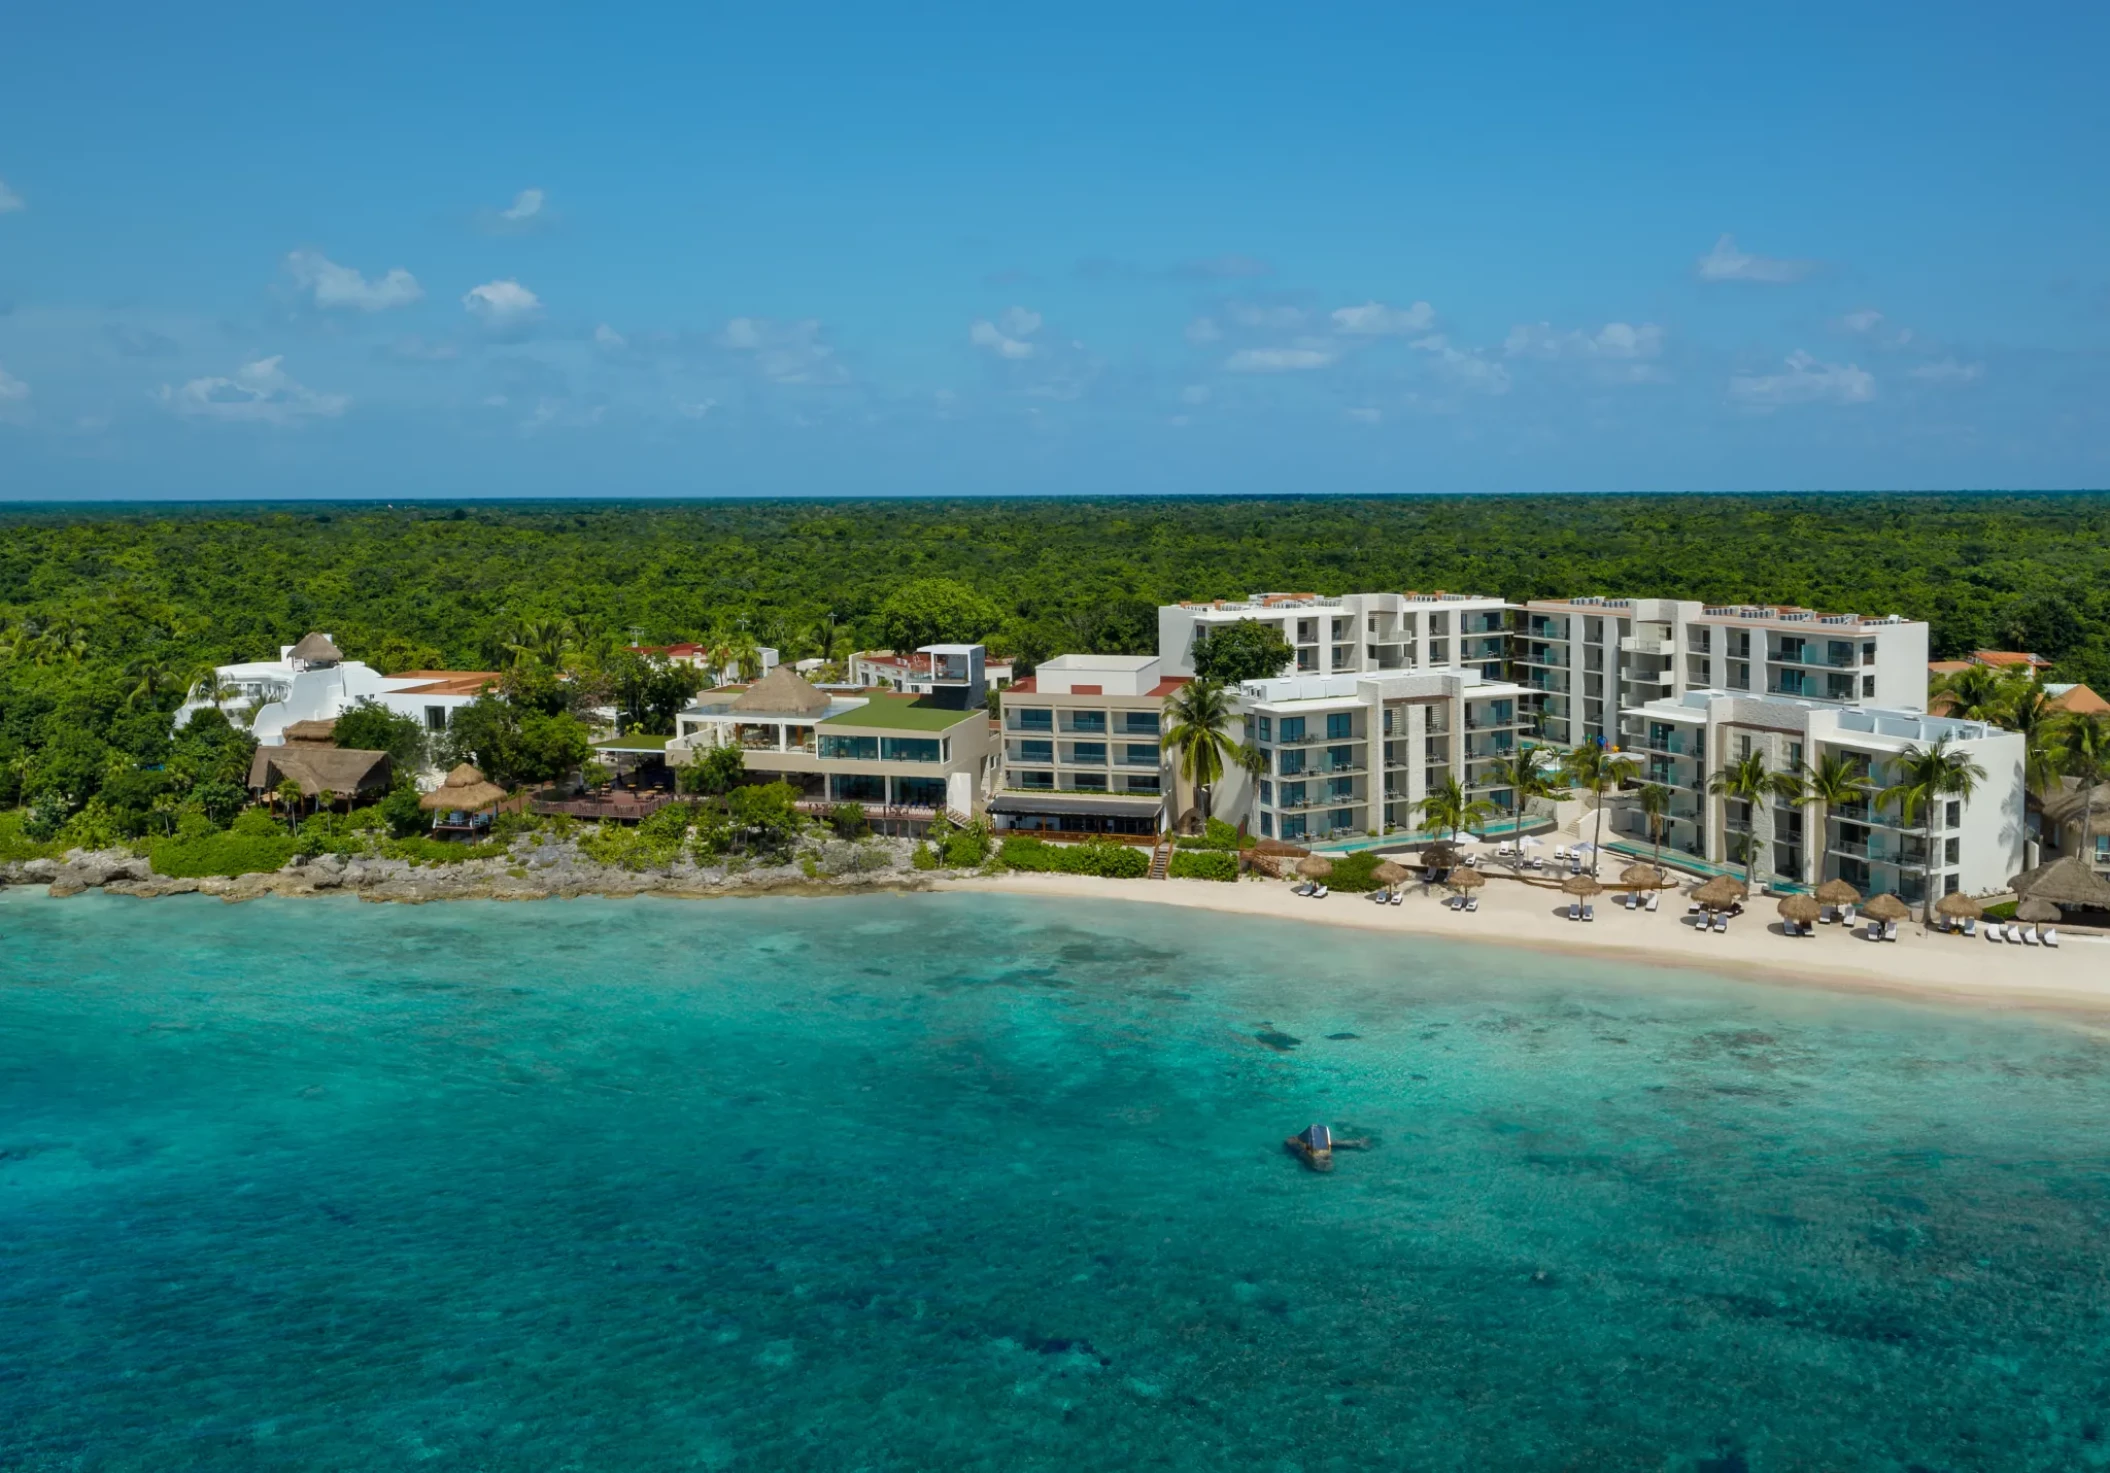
1267	724
1036	779
1290	761
1143	784
856	787
1292	826
1144	723
1091	753
919	792
851	748
910	749
1033	718
1292	795
1340	724
1339	757
1036	751
1140	754
1343	818
1094	721
1338	788
1293	728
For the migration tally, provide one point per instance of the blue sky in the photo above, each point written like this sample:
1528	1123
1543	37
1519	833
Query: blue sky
806	250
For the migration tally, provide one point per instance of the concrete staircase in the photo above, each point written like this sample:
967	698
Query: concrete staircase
1161	857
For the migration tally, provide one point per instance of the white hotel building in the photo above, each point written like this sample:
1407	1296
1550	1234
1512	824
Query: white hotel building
1353	634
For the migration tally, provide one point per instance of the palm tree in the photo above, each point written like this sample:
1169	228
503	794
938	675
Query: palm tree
288	795
1198	730
2033	713
744	655
1926	775
1448	810
1597	768
1654	799
543	640
1519	771
152	679
1747	780
1834	783
2084	755
61	643
1975	693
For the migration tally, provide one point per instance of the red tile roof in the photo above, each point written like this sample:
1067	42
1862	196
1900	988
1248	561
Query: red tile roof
447	682
2010	657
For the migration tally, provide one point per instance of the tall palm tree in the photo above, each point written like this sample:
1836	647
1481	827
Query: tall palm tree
1974	693
1599	769
1654	799
543	640
2084	755
1748	781
744	655
1448	810
1519	771
2032	712
151	678
1834	783
1198	723
1926	775
62	644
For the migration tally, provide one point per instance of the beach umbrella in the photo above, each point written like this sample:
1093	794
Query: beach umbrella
464	789
1642	877
1886	908
1581	886
1837	892
1720	893
1440	856
1389	873
2032	908
1958	906
1313	867
1465	879
1801	909
2064	882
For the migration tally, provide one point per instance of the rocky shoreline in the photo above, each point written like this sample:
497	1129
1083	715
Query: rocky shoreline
549	870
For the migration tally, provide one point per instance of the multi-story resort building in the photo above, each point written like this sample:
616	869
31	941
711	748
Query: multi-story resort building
906	759
1353	634
1588	660
312	681
1080	747
1680	741
1353	754
911	673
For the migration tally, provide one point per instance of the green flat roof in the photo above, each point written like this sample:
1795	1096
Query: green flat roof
639	743
905	713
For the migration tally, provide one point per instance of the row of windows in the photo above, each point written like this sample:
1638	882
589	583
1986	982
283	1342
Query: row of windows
1083	782
1133	754
885	749
1339	725
1042	718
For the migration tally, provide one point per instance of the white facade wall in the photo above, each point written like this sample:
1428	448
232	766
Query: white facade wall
1354	633
284	691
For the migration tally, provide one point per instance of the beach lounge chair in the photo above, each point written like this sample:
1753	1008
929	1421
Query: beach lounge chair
1399	897
1992	934
1321	893
2014	934
1890	930
1790	928
1472	902
1970	926
1306	888
1721	922
1651	906
1827	915
2029	935
1560	852
1575	910
2050	935
1589	912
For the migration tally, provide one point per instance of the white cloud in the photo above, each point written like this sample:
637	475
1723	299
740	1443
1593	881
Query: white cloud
1006	337
502	306
1203	330
1726	263
1269	318
526	206
1949	371
1364	416
340	286
1615	340
1865	320
1807	381
11	388
9	200
1375	319
1468	370
259	393
1279	360
1195	394
785	352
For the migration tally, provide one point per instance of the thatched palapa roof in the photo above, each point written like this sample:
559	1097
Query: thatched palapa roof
2030	908
1801	909
2064	881
1639	876
1462	878
347	771
1314	867
311	733
1837	892
464	789
1886	907
782	692
1389	873
317	648
1582	885
1720	892
1958	907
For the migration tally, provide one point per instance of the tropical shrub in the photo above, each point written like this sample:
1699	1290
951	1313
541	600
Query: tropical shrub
1216	834
1353	874
1203	864
1101	857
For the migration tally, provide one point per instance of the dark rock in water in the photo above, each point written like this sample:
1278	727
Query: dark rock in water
1281	1043
1339	1036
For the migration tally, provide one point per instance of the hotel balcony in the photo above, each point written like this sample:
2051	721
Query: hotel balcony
1635	644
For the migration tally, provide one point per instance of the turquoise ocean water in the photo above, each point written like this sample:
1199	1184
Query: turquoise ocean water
911	1182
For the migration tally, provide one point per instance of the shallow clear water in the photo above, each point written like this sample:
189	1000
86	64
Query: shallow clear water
972	1181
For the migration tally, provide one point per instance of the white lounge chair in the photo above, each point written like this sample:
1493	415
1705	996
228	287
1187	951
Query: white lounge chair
1472	902
1721	921
1321	893
1399	897
1890	930
1589	912
1789	928
1306	888
1560	852
2014	934
2050	935
1992	934
1874	931
2029	935
1970	926
1575	910
1651	902
1827	915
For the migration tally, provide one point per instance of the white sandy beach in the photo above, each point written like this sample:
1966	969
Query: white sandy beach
1933	966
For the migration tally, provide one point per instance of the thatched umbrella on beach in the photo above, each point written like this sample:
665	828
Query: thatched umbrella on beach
2064	881
2033	908
1582	887
1958	906
1441	855
1314	867
1803	910
1886	907
464	791
1462	878
1720	893
1641	877
1837	892
1389	873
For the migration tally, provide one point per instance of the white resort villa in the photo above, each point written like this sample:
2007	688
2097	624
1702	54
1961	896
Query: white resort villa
313	681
